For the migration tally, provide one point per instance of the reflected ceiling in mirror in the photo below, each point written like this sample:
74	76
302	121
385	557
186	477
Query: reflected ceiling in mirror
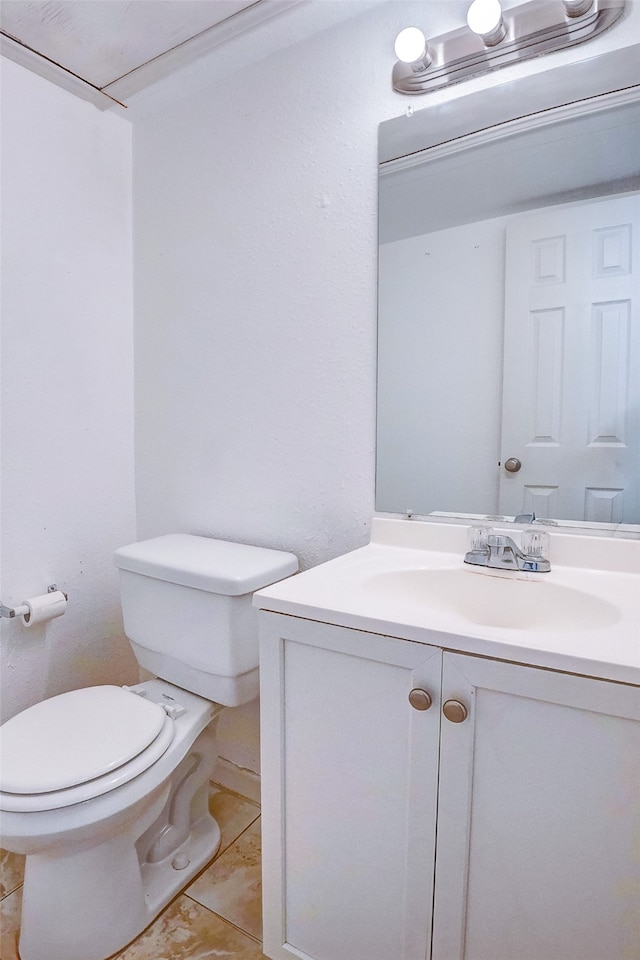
509	305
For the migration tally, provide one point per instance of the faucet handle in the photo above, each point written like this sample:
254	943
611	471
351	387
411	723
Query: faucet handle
535	542
478	537
478	542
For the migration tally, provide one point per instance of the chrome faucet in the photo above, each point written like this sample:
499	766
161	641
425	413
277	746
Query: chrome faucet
500	552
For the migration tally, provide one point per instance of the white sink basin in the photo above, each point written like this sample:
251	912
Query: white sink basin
484	599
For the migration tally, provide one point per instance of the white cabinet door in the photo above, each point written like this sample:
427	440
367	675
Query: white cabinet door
351	768
538	817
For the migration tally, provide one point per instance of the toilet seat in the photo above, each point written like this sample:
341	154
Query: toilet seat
79	745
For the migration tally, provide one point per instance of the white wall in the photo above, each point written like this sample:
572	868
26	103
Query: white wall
441	296
67	397
256	259
254	299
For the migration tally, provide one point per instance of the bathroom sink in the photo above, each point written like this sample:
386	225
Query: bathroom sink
410	582
486	599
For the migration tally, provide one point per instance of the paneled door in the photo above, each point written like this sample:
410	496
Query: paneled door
571	385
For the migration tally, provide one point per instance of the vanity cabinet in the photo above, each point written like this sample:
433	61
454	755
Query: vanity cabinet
507	832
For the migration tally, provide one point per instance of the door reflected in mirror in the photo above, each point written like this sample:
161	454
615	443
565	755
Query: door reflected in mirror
509	322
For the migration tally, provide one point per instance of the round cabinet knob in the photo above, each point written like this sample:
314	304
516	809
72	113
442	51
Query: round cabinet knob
420	699
512	465
454	711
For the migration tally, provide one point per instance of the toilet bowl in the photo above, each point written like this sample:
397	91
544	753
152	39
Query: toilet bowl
132	845
105	789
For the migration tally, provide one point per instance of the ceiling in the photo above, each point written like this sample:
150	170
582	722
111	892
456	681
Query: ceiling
108	50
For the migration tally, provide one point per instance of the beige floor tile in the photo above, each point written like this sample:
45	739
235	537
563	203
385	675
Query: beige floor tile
187	931
233	814
11	871
10	925
231	886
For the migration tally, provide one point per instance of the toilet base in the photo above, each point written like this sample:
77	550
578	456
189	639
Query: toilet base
68	899
91	902
179	868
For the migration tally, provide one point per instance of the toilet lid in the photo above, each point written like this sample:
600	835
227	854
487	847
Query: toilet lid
75	737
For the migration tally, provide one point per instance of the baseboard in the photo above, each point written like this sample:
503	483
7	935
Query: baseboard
239	779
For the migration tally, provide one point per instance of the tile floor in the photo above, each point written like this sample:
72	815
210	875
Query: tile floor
218	915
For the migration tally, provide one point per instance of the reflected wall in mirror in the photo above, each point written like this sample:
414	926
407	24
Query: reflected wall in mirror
509	320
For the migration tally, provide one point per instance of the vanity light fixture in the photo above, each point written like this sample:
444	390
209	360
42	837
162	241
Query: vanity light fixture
494	39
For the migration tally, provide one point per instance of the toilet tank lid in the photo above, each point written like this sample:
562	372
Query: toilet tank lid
217	566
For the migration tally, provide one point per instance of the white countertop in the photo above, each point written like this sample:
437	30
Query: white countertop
345	592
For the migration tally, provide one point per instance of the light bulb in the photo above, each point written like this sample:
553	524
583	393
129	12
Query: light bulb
484	17
410	45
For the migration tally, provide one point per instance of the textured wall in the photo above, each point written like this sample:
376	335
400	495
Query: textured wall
254	298
67	386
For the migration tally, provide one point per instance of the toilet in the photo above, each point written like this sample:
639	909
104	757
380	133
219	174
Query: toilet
105	789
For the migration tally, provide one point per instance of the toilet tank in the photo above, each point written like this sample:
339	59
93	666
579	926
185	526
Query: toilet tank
186	606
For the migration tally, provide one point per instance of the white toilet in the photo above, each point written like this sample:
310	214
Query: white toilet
105	789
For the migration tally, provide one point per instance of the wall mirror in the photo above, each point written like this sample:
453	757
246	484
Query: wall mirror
509	301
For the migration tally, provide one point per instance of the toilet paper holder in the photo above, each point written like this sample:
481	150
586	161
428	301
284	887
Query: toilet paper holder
20	611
